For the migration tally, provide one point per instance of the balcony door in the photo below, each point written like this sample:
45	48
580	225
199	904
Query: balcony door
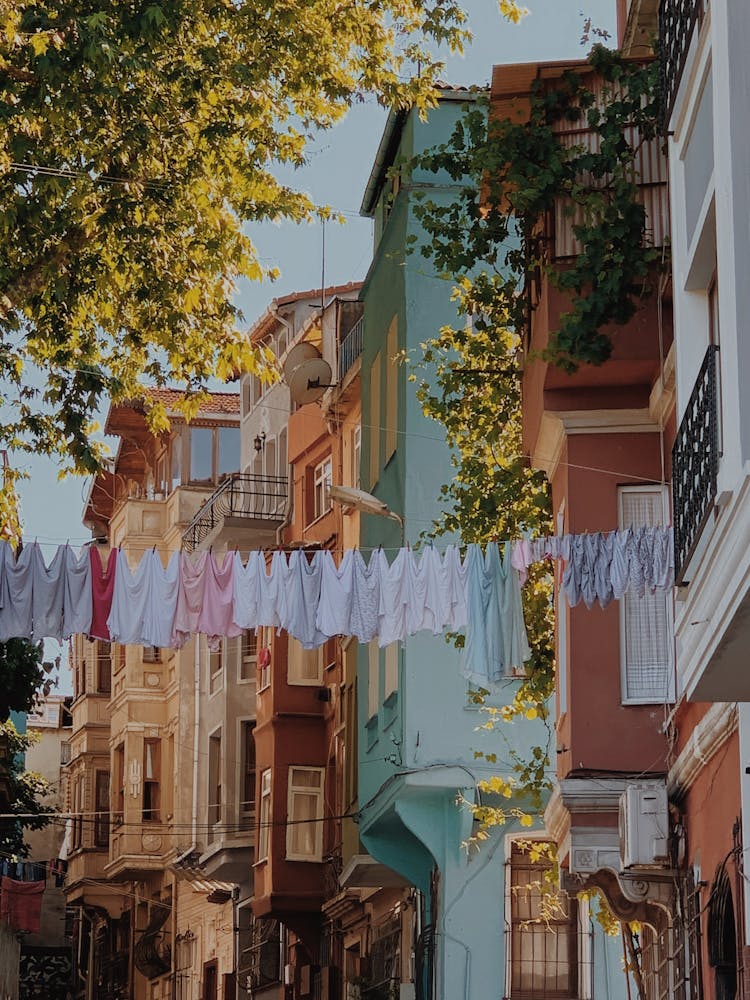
210	981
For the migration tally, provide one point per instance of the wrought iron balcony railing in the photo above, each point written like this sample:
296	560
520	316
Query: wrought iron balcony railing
677	21
351	347
259	498
695	463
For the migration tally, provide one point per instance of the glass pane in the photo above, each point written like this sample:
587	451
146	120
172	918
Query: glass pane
302	832
305	777
229	449
176	456
201	453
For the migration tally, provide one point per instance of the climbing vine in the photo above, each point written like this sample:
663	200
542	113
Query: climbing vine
490	242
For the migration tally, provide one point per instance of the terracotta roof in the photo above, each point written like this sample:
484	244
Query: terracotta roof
218	402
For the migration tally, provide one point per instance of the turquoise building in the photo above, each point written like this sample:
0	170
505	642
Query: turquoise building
417	724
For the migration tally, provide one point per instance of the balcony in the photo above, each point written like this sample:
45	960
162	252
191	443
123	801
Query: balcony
695	464
242	504
677	21
351	347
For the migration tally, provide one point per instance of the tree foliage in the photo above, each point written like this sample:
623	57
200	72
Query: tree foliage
28	791
21	676
136	140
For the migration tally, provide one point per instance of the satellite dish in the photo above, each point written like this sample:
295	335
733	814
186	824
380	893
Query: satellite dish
309	380
299	353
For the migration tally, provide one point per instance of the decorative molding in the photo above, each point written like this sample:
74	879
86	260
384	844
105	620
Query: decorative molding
556	425
708	737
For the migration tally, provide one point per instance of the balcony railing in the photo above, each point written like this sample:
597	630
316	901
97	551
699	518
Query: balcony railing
677	21
351	347
260	498
695	463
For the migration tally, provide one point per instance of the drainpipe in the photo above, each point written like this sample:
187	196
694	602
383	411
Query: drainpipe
196	738
274	311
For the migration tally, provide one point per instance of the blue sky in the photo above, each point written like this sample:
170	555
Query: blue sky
339	165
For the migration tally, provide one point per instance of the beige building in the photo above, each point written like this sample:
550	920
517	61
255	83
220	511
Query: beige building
152	922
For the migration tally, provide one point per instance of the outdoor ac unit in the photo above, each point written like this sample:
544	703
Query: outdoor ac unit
644	826
288	975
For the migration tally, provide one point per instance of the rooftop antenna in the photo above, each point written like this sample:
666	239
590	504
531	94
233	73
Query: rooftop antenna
323	270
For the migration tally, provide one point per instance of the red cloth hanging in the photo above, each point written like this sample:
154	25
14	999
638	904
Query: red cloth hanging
102	589
21	904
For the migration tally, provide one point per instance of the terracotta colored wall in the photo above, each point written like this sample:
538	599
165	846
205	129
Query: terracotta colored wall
599	732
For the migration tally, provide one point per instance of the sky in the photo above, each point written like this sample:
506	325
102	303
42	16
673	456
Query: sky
339	165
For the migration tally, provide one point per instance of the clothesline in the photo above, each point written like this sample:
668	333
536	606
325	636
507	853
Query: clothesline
307	594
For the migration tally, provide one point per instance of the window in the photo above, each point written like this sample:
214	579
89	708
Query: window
391	389
176	460
356	458
214	778
103	667
375	420
543	946
391	668
304	666
264	659
201	454
118	657
248	663
646	644
101	820
151	779
264	954
264	819
322	479
304	836
120	782
247	775
214	452
229	450
151	654
216	667
78	799
373	678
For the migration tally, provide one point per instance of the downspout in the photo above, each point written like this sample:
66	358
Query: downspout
274	311
196	739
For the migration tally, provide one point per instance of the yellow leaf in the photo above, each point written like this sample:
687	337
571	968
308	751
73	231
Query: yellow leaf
527	820
39	43
531	713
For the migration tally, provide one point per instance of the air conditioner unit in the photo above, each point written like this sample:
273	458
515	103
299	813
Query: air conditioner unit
644	826
288	975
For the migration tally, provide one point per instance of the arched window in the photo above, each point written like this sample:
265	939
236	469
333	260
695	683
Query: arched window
722	936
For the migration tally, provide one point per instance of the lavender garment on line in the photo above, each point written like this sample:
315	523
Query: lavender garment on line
61	593
190	587
271	582
246	589
144	601
16	593
363	623
300	598
215	618
394	596
336	594
455	578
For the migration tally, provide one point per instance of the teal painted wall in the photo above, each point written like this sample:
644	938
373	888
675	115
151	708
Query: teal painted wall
416	751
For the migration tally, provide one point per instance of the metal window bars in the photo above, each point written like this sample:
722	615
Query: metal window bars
695	463
241	495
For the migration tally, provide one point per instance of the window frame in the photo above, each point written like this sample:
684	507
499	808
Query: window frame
319	793
355	471
668	698
577	959
295	678
247	807
264	672
101	808
265	812
322	480
154	783
250	658
215	782
103	655
216	674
